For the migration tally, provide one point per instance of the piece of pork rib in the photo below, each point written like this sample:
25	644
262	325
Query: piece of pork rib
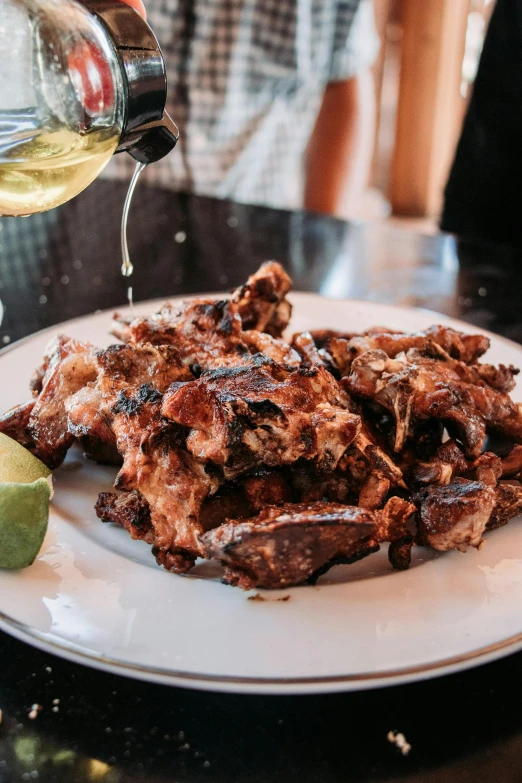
284	546
508	504
120	368
454	516
364	476
128	509
261	302
41	425
417	387
298	542
125	405
339	350
172	483
206	333
262	414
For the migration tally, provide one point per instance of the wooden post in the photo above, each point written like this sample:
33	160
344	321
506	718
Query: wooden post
430	106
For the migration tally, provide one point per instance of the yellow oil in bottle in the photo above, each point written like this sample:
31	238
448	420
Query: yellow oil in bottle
51	168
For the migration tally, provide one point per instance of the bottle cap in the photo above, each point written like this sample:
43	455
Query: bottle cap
148	132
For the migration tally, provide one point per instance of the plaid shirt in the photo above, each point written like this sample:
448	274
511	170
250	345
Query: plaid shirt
246	80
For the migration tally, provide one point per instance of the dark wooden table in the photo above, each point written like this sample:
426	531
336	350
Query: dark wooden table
465	727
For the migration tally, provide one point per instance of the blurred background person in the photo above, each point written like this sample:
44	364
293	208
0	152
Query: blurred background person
482	195
274	100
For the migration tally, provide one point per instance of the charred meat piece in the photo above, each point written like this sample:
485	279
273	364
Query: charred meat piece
394	519
300	542
246	497
15	421
418	387
341	349
128	509
454	516
448	462
171	482
381	474
261	414
285	546
120	368
69	366
205	332
261	302
508	504
124	407
305	346
277	350
512	462
364	475
501	378
487	469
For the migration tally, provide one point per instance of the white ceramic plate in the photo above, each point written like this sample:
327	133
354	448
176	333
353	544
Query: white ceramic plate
97	597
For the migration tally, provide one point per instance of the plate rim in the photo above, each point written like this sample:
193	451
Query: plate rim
56	645
49	642
448	319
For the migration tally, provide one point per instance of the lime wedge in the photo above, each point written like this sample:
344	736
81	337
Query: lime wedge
18	464
24	513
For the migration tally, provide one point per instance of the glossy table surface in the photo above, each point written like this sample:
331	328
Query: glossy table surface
464	727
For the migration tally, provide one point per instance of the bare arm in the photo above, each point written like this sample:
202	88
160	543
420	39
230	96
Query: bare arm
339	153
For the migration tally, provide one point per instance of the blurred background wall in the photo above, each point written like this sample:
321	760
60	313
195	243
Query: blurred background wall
423	76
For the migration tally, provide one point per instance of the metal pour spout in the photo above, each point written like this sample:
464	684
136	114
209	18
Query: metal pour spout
148	131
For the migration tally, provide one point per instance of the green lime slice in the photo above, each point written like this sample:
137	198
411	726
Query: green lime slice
24	513
18	464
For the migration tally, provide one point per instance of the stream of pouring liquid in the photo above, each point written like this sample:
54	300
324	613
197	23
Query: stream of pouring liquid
126	268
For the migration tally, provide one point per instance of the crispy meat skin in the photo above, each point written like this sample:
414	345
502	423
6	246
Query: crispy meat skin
420	387
262	414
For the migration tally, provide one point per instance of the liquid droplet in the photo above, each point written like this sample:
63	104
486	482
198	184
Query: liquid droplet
126	268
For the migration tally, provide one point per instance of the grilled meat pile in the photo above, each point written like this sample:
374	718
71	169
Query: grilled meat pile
282	458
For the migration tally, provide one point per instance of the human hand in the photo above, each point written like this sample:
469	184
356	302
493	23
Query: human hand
138	6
